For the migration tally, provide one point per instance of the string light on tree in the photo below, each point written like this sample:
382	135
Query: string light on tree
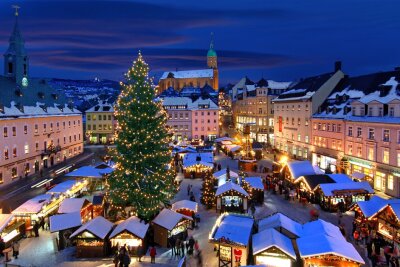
142	179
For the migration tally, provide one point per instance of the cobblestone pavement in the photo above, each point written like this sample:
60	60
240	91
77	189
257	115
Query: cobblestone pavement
41	251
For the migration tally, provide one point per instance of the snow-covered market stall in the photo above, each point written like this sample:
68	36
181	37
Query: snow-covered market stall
130	233
81	205
11	229
65	225
94	175
256	188
170	223
185	207
92	238
196	165
70	188
231	236
231	197
33	210
295	169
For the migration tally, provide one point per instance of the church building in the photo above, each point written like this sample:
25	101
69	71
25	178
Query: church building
193	78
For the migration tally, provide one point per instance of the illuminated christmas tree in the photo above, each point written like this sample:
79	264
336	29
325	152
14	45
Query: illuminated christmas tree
208	191
142	178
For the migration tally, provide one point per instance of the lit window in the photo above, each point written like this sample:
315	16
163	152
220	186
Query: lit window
359	131
298	137
386	156
350	131
371	133
390	182
398	159
370	153
350	149
26	149
25	129
5	133
386	135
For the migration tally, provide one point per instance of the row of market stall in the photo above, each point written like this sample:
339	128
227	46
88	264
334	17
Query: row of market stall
22	221
331	191
233	193
98	237
280	241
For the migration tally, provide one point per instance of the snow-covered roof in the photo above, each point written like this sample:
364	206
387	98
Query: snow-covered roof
319	244
185	204
358	175
320	227
65	221
71	205
395	208
223	173
183	74
255	182
99	227
33	205
329	189
4	220
300	168
200	103
101	107
230	186
233	148
371	207
279	220
90	171
132	225
235	227
225	138
169	219
206	159
340	178
176	101
62	187
271	238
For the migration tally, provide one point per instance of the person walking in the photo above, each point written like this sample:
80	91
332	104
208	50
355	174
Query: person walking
191	245
15	248
172	241
153	254
196	246
139	253
199	259
183	248
126	260
2	247
178	247
116	259
188	189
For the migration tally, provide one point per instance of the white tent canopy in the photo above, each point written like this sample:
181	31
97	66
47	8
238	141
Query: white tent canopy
65	221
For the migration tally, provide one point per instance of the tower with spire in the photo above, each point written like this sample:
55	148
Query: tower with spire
212	55
16	61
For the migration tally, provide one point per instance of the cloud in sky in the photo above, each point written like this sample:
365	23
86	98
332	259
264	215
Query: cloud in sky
285	39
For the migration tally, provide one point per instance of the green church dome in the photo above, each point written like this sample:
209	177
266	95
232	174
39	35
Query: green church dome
211	53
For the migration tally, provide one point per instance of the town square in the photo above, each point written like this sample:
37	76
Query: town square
137	133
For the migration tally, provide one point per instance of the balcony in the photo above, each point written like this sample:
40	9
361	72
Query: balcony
50	150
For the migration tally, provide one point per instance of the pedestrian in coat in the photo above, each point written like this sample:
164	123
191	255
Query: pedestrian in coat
153	254
178	246
172	245
139	253
196	246
36	229
183	248
15	248
199	259
126	259
191	245
188	189
116	259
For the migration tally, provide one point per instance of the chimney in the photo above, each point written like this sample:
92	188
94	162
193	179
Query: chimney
338	65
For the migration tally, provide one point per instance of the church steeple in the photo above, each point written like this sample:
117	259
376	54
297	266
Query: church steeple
16	61
211	54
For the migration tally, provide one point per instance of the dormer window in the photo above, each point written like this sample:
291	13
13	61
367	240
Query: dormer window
362	111
380	114
353	112
370	110
391	111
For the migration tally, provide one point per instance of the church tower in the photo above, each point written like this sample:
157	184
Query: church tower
16	61
212	63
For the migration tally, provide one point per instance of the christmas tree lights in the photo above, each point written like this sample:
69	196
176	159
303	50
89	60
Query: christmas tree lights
142	178
208	191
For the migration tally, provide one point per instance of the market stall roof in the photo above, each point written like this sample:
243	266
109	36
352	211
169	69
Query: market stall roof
233	227
185	204
223	172
227	142
33	205
70	205
371	207
271	238
318	245
279	220
205	159
230	186
65	221
396	209
300	168
233	148
225	138
99	227
358	175
255	182
333	189
90	171
4	220
62	187
169	219
132	225
312	181
340	178
320	227
318	170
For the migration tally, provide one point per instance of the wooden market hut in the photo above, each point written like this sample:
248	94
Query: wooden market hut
98	205
231	236
256	187
387	222
196	165
231	198
94	175
70	188
295	169
81	205
170	223
65	224
11	229
185	207
92	238
273	249
327	250
132	232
